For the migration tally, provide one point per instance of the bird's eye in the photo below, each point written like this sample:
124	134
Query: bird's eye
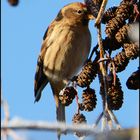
79	11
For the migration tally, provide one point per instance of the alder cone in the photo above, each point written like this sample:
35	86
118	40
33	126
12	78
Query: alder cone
115	98
131	50
13	2
79	119
122	34
111	44
133	81
87	74
66	97
113	25
89	99
115	93
94	6
120	61
124	10
109	14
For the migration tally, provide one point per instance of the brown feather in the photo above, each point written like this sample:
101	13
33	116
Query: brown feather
40	80
65	48
60	109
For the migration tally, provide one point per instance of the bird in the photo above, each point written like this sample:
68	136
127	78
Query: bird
65	48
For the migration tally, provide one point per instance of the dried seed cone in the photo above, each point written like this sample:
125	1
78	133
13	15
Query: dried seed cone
94	6
124	10
109	14
111	44
89	99
13	2
87	74
131	50
133	81
113	25
66	97
115	98
120	61
115	95
122	34
79	119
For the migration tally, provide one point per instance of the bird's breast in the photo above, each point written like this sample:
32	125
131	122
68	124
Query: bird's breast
67	50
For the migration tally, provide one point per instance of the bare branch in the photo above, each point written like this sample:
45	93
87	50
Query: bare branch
101	12
53	126
19	124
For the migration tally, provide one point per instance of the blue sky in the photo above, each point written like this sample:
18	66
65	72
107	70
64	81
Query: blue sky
22	30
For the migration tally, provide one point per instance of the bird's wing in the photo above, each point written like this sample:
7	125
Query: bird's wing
40	78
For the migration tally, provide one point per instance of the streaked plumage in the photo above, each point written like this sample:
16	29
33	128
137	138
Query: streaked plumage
65	48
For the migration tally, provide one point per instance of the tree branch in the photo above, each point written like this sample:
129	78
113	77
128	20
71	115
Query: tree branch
19	124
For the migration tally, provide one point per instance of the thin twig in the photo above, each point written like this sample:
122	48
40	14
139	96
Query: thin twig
103	59
92	52
98	120
107	117
111	66
113	117
101	12
7	132
109	122
102	65
104	122
77	103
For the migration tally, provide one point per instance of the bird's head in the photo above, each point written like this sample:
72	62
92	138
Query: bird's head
76	13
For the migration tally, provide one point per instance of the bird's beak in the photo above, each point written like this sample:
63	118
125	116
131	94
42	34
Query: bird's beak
90	16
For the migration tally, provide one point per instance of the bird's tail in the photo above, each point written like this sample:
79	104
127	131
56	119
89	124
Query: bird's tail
60	114
60	109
